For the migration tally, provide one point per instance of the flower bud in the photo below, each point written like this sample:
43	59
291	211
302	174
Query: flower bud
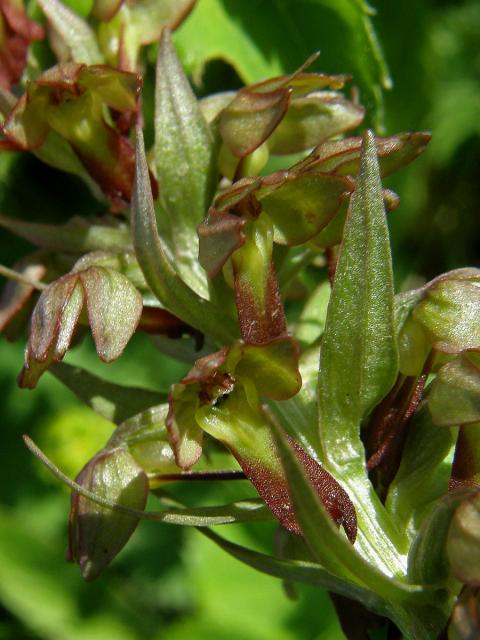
97	533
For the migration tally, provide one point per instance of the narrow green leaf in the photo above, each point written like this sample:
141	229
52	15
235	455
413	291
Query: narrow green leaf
73	30
152	254
358	359
112	401
77	236
185	161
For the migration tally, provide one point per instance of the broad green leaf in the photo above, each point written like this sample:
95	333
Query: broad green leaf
454	395
75	32
160	273
114	402
185	162
77	236
423	474
237	34
463	541
97	534
358	358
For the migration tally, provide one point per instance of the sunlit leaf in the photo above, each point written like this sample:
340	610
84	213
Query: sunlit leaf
358	356
152	254
185	162
75	32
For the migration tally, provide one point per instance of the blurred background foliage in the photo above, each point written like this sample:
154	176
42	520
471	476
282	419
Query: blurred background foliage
171	583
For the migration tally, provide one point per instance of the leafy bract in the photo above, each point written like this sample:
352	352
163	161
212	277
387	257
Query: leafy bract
74	31
76	236
289	112
184	163
159	271
342	157
358	356
112	401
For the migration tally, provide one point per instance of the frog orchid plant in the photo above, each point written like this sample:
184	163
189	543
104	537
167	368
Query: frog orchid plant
358	424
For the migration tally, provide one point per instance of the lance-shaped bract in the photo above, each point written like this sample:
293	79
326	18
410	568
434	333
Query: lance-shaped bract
358	356
70	99
185	154
113	307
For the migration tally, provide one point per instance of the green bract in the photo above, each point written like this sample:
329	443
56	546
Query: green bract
353	412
